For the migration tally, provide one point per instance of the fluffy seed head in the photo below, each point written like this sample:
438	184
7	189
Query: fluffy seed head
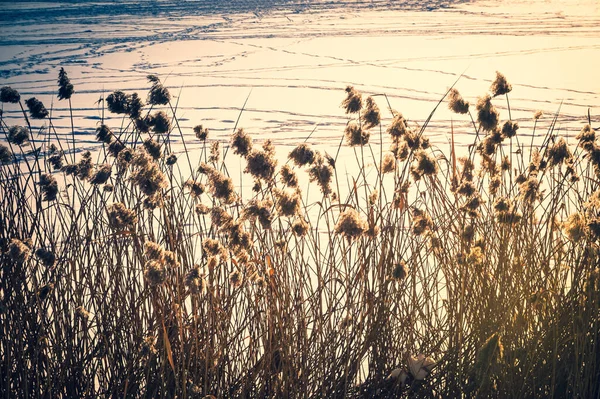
457	103
509	129
158	95
260	164
36	108
371	116
18	135
300	227
288	202
322	173
9	95
487	115
160	122
6	155
65	88
120	218
500	85
302	155
201	132
388	163
353	101
18	251
288	177
575	227
355	136
48	187
241	142
117	102
102	174
350	224
398	126
155	273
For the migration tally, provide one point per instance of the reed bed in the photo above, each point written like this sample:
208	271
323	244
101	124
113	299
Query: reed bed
140	270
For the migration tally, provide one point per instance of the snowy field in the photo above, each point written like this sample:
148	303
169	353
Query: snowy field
293	59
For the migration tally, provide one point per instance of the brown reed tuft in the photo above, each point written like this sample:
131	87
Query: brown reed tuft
9	95
102	174
241	142
398	127
201	132
120	218
559	152
18	135
103	134
288	177
371	116
355	135
300	226
322	173
500	85
487	115
196	188
171	160
388	163
221	186
214	248
288	202
18	251
575	227
153	251
160	122
117	102
36	108
421	222
260	210
65	87
6	156
48	186
194	281
115	148
158	95
353	101
236	279
400	271
55	157
509	129
302	155
457	103
351	225
261	164
423	165
155	273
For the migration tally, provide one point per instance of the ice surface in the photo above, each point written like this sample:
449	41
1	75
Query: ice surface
294	58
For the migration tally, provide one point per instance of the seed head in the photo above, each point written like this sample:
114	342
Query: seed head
559	152
153	251
500	85
84	166
81	313
221	186
214	248
202	209
160	122
158	95
236	279
215	152
6	156
102	174
487	115
261	164
529	190
201	133
171	160
302	155
422	222
400	271
260	210
196	188
351	225
388	163
155	273
103	134
371	117
115	148
18	251
241	142
423	165
457	103
355	136
48	187
9	95
538	114
353	101
322	173
120	218
117	102
220	218
195	282
65	88
300	227
398	126
575	227
18	135
288	177
509	129
36	108
288	202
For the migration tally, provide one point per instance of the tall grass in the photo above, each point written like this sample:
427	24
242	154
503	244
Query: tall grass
141	271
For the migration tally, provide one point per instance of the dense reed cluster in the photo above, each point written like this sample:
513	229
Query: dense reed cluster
143	269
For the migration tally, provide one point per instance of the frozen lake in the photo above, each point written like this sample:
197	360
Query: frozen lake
294	59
